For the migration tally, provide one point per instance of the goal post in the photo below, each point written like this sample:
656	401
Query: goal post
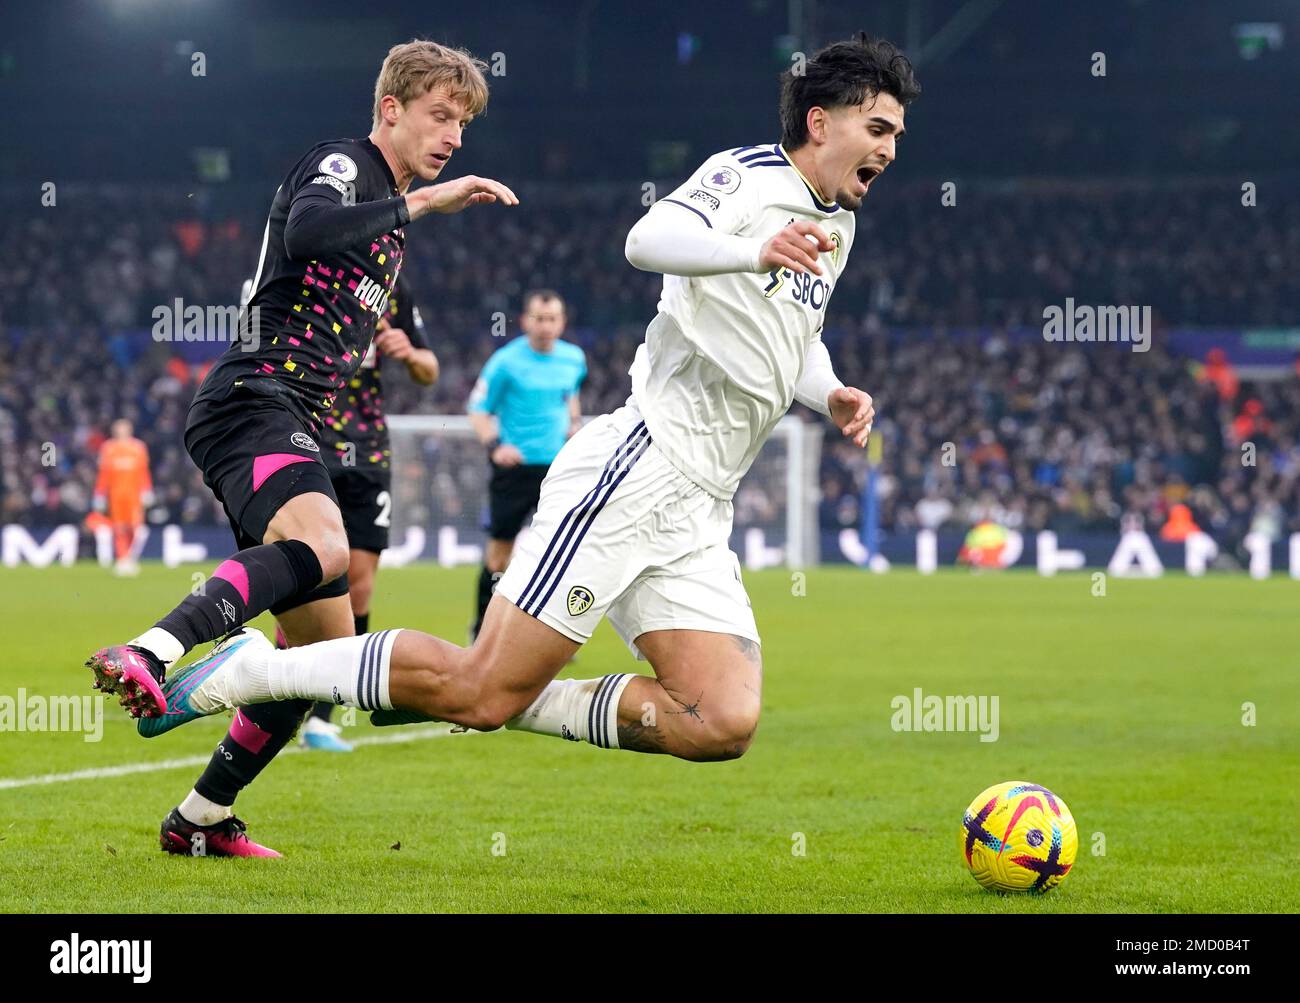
440	485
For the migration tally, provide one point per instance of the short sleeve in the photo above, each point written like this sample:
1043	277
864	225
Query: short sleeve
581	376
418	335
485	398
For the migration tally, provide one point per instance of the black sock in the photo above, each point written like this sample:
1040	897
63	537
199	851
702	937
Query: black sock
487	581
243	587
256	736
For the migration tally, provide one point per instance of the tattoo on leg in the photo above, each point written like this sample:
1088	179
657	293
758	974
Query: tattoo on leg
637	737
750	649
754	655
692	709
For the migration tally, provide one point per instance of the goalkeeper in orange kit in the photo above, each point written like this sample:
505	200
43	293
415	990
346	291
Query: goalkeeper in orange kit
123	489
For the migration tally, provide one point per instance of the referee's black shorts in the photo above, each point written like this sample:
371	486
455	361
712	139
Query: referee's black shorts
512	497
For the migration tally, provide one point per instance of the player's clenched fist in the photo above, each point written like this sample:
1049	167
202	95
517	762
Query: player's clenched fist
853	412
796	248
453	196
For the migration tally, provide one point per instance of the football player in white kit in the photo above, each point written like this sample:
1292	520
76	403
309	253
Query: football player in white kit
635	514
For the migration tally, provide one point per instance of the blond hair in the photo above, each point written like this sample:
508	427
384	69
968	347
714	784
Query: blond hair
414	68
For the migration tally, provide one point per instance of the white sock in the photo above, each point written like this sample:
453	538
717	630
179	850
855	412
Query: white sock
352	671
580	710
165	647
198	810
348	670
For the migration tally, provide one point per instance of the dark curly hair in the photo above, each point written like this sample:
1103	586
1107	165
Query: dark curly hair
842	75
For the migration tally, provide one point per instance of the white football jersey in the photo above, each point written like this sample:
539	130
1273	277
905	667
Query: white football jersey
721	359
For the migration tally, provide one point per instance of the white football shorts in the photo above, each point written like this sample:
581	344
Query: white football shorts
621	532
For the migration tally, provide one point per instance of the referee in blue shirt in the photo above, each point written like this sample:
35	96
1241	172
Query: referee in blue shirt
523	408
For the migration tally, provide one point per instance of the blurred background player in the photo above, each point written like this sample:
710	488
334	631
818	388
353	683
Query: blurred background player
984	546
356	452
124	490
524	407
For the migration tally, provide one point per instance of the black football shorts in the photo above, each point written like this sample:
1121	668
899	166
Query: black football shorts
255	455
512	497
367	503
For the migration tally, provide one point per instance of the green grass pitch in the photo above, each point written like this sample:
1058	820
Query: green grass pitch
1129	706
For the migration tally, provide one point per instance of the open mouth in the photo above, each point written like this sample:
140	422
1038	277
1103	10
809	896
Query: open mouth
440	159
867	174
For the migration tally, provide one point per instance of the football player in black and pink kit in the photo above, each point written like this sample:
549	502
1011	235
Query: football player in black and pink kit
329	262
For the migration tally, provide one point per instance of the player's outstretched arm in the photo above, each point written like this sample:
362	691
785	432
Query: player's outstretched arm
671	244
453	196
705	227
319	224
666	241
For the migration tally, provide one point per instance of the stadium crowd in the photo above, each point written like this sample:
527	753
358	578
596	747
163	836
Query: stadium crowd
977	418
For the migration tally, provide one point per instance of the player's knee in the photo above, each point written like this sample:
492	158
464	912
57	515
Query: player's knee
493	708
358	598
483	719
360	591
488	704
730	731
331	548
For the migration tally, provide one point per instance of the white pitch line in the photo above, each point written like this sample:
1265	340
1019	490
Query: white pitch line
105	772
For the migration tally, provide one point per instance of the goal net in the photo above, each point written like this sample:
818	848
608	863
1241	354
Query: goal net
440	478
